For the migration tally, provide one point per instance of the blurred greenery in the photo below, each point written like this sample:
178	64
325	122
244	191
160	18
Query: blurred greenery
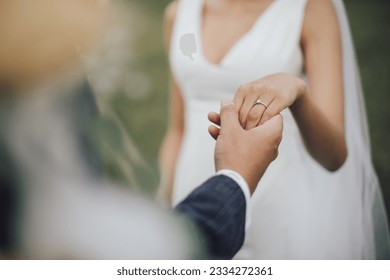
146	116
370	22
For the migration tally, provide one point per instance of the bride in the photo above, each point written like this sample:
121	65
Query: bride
321	198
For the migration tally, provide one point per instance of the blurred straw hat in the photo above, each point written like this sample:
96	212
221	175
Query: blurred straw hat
39	38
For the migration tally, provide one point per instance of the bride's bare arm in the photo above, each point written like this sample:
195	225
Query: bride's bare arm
319	111
317	107
172	141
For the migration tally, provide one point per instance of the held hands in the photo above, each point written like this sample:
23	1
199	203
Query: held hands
248	152
259	101
251	127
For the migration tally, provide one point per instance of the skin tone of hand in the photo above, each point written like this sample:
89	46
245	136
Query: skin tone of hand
248	152
322	137
277	92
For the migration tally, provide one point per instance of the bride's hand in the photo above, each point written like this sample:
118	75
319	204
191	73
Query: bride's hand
263	99
248	152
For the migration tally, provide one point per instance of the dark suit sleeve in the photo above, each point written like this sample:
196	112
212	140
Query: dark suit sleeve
218	208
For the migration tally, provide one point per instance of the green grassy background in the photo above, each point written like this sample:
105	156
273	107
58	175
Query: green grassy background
145	116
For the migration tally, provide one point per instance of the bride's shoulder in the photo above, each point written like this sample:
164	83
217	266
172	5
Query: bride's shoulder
320	9
320	16
319	6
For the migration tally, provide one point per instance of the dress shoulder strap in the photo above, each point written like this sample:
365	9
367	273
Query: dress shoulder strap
185	32
186	20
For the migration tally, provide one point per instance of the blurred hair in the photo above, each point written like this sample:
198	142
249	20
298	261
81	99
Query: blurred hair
39	38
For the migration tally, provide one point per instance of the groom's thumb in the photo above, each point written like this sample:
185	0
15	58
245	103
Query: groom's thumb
273	126
229	116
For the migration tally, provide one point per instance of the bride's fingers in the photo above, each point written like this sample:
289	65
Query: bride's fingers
245	109
272	110
215	118
254	116
214	131
238	99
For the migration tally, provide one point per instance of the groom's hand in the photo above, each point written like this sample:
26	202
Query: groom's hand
248	152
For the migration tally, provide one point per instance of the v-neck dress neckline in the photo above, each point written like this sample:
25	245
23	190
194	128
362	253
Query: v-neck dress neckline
230	53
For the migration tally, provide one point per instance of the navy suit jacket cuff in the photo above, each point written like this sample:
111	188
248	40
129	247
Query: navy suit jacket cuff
218	208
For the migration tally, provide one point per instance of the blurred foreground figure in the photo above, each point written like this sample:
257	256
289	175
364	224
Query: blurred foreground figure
53	200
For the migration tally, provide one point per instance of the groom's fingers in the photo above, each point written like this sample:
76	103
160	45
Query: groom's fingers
214	131
229	116
215	118
274	126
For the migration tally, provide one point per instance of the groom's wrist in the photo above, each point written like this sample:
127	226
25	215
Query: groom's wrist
241	182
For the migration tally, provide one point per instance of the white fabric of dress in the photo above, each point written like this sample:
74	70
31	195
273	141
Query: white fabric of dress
299	210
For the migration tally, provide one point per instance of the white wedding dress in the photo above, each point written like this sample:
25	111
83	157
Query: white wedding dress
299	211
